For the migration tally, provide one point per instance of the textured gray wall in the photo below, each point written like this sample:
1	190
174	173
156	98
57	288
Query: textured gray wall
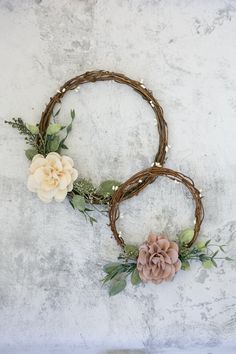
51	298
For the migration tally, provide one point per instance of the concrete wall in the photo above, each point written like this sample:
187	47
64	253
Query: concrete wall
51	297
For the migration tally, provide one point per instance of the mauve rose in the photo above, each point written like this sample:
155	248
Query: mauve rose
158	259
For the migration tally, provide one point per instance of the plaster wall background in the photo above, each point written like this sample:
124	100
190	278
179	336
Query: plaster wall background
51	300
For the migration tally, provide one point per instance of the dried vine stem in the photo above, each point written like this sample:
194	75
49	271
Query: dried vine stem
101	75
152	173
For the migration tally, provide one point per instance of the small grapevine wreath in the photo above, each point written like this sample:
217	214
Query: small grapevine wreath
158	258
53	175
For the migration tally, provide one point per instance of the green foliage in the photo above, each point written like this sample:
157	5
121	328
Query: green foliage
117	284
30	153
131	251
79	203
205	252
117	272
33	129
186	236
135	278
93	195
43	144
107	188
53	129
23	129
53	143
84	188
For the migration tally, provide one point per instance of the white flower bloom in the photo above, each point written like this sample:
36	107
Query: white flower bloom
51	176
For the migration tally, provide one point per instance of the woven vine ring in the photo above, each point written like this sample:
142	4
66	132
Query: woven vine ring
158	258
52	175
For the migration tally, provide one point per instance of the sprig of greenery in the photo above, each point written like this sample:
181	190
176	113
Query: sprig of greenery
46	143
203	251
29	131
85	195
117	273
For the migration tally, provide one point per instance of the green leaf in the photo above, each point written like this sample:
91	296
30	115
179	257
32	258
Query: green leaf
53	129
72	113
135	278
79	203
214	254
186	235
110	267
222	249
92	220
185	265
214	263
33	129
63	146
116	286
131	250
229	259
207	264
107	188
207	243
69	127
57	112
53	145
30	153
200	245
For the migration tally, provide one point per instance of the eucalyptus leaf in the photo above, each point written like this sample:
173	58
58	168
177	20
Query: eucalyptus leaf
117	285
30	153
54	144
186	235
33	129
53	129
110	267
79	203
107	188
135	278
57	112
229	259
92	220
72	113
69	127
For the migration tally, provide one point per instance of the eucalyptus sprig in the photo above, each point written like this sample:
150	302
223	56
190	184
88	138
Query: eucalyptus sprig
46	143
203	251
117	273
85	195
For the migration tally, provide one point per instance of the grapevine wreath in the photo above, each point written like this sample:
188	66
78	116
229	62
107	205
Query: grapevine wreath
159	258
52	175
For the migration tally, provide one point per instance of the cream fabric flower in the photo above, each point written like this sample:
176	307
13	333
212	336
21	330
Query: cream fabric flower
51	176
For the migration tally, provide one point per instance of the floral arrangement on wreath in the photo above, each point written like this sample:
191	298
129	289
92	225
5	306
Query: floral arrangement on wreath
52	175
159	258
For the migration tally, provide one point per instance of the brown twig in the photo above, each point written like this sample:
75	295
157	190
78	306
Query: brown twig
101	75
152	173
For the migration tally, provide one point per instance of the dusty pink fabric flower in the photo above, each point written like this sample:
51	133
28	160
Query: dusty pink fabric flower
158	259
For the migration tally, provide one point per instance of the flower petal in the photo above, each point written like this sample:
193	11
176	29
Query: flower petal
39	162
173	254
46	197
32	185
164	244
67	159
152	238
60	195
